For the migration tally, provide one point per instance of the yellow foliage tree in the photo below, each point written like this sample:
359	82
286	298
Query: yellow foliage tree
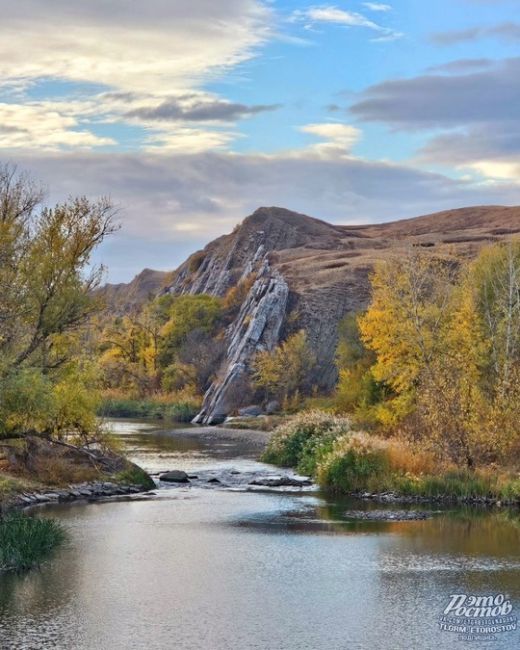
286	370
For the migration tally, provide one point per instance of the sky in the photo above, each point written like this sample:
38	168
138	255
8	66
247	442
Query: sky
190	115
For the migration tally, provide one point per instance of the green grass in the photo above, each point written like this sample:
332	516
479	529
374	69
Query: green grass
25	542
182	411
459	484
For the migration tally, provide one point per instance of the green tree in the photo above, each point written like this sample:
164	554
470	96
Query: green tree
357	390
186	314
287	370
47	294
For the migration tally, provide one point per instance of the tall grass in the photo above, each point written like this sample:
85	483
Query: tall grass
362	463
321	444
26	541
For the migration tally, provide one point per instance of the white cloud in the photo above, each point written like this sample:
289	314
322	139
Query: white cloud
334	15
187	140
151	46
338	138
497	170
377	6
331	14
149	51
41	125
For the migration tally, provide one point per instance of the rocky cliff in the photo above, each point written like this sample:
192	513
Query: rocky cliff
308	274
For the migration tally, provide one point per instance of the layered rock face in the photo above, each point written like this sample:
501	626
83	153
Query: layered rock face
308	275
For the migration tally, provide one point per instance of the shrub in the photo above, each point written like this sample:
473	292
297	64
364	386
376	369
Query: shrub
196	260
359	463
26	541
304	439
356	463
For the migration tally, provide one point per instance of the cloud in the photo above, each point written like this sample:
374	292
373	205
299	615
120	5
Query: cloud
151	46
462	65
489	149
476	111
333	15
338	138
192	108
188	140
377	6
160	194
432	101
508	31
42	125
133	57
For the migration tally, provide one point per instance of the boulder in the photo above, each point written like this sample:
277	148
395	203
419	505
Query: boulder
272	407
175	476
252	411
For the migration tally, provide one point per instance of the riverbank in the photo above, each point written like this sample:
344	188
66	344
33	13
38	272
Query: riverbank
353	463
180	408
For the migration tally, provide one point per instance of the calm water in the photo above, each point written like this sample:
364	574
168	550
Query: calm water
223	569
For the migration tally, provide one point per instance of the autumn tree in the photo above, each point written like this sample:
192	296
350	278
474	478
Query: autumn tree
47	297
357	391
404	325
448	346
287	370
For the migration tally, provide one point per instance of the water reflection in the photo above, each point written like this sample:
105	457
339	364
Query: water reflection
230	570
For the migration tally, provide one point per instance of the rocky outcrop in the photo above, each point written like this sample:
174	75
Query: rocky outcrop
257	327
309	274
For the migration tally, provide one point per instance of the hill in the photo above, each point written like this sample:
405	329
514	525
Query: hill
308	274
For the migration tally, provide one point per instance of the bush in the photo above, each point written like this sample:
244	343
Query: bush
356	463
26	541
304	439
361	463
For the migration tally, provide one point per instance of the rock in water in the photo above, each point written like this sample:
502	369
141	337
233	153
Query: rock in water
388	515
175	476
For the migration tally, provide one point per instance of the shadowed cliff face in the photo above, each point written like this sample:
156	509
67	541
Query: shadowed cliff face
309	274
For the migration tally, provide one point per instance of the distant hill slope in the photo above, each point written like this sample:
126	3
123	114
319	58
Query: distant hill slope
312	271
124	297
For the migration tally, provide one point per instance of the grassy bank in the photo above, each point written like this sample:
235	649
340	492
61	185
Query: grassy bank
25	542
343	461
182	408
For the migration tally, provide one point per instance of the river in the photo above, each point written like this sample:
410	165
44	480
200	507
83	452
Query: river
228	569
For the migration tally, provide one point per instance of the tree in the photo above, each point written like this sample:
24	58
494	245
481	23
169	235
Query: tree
286	370
448	346
186	314
357	391
45	287
404	325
